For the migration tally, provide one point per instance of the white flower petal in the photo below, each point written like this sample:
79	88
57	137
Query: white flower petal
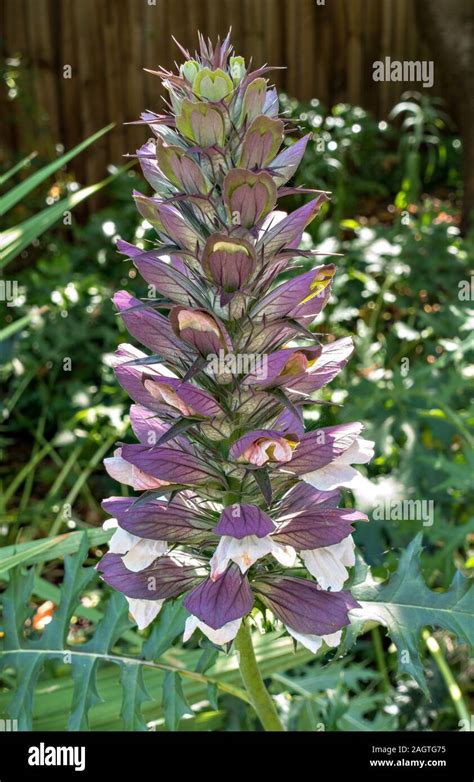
124	472
328	564
122	541
221	557
285	555
360	452
314	642
331	476
223	635
311	642
244	552
339	472
347	551
334	639
144	611
118	468
143	553
110	524
189	627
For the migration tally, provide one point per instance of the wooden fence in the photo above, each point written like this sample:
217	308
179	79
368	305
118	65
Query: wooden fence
328	50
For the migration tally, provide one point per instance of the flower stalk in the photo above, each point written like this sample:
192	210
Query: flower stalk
254	684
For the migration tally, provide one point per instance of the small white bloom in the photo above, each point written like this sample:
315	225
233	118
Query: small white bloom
223	635
339	472
329	564
314	642
144	611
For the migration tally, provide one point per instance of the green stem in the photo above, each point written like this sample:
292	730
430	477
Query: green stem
252	678
451	684
380	658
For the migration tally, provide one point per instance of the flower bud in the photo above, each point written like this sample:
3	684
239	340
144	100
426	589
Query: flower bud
213	85
237	68
189	70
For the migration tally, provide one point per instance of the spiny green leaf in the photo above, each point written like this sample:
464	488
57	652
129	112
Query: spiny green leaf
175	704
15	610
109	629
28	669
135	694
76	578
51	711
405	605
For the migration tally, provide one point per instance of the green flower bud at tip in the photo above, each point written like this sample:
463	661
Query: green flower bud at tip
237	68
189	70
214	86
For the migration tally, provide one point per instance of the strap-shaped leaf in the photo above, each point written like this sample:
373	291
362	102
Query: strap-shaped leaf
14	240
47	549
20	191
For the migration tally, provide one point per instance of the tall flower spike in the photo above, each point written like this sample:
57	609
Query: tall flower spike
235	491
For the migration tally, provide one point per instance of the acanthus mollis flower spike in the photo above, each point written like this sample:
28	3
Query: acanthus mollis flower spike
219	437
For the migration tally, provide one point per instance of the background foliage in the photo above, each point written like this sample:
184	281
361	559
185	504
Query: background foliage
394	217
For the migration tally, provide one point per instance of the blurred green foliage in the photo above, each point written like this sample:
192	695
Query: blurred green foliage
394	217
